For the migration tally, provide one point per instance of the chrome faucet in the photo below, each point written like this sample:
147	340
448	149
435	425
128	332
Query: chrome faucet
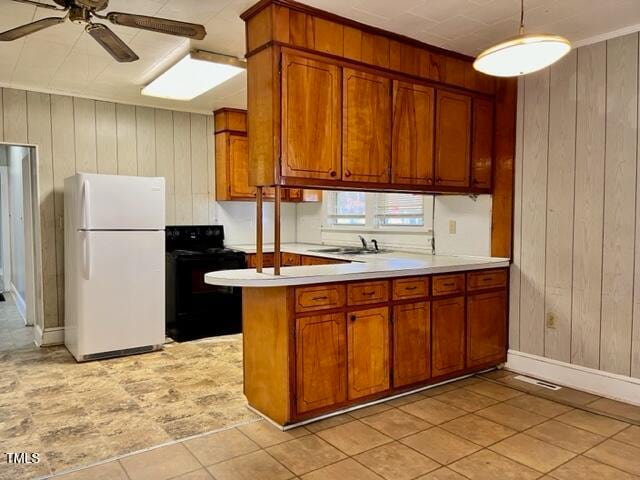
364	242
375	243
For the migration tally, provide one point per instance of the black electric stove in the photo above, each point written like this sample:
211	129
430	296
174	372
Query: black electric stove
196	309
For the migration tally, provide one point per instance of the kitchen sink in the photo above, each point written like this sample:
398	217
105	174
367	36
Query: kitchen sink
348	251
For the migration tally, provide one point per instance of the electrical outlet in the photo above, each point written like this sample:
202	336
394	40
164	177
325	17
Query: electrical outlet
452	227
551	320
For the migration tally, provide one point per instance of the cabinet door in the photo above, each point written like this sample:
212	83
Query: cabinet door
366	127
447	336
486	328
411	343
482	145
453	139
310	118
239	168
321	364
412	142
368	352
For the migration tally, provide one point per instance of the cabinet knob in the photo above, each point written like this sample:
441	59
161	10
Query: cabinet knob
438	179
429	181
333	173
353	318
347	173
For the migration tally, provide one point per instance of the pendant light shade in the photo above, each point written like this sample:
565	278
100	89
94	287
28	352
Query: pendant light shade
523	54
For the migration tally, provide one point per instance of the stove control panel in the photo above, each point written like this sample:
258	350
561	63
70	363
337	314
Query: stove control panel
194	237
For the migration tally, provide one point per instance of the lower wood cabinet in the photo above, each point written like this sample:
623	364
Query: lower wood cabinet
321	357
314	349
368	352
486	328
448	332
411	343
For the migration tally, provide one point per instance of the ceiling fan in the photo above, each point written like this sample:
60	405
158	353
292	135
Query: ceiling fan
84	11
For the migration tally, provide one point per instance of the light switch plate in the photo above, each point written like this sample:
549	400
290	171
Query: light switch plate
452	227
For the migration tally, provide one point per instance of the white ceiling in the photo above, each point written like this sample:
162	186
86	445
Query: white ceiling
63	59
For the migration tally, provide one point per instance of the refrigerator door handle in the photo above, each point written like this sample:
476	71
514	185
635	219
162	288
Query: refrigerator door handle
86	205
87	255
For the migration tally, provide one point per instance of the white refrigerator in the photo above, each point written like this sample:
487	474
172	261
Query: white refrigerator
114	265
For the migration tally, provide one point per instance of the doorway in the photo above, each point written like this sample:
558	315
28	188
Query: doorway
19	224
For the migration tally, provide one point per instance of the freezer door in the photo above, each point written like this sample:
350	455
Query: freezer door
120	290
118	202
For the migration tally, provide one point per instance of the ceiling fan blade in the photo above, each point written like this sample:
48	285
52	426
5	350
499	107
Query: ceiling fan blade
111	42
29	28
161	25
40	4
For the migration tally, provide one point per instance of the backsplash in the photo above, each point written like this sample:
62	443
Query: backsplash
472	236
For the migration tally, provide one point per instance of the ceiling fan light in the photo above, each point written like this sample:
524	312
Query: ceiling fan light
194	75
522	55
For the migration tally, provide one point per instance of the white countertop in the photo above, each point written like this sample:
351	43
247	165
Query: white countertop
363	267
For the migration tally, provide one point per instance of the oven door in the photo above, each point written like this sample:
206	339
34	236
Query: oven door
201	309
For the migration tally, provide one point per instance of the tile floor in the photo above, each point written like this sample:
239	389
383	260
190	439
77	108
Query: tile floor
14	334
79	414
473	429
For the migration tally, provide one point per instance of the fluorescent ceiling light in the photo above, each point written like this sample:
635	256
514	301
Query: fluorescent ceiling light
525	53
194	75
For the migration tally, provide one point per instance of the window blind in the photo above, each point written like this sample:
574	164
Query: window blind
400	209
349	208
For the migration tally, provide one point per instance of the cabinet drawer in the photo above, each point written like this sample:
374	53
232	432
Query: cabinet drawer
413	287
486	279
290	259
448	284
367	292
319	298
267	260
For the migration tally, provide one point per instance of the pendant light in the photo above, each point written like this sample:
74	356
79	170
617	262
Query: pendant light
525	53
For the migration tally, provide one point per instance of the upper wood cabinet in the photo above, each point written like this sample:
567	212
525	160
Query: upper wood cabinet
482	144
232	162
232	157
368	352
453	139
321	361
366	149
311	118
339	105
411	343
412	138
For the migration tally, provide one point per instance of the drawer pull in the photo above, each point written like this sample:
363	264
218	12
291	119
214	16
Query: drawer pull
320	298
368	294
449	284
487	279
410	288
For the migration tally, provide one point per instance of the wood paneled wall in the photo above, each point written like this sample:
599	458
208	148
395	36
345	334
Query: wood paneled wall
575	284
80	135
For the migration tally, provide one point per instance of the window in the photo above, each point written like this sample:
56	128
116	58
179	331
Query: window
400	209
370	211
349	208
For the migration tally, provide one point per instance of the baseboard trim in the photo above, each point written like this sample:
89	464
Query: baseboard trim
21	305
49	336
605	384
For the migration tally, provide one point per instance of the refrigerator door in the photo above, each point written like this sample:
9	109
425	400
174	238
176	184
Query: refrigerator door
120	290
118	202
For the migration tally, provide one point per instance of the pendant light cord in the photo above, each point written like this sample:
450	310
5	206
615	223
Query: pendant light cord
521	17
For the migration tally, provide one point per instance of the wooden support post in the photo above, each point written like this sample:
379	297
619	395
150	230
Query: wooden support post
276	227
259	229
